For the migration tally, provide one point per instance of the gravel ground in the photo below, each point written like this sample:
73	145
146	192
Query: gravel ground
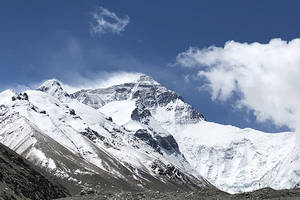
266	193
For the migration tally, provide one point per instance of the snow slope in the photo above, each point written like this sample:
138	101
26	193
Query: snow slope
233	159
238	160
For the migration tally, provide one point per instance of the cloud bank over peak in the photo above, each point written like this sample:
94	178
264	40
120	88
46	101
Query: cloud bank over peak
266	77
100	80
78	82
104	21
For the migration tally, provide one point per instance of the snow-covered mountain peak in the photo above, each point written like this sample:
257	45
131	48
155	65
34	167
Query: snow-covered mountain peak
146	92
234	159
50	83
6	96
54	88
146	80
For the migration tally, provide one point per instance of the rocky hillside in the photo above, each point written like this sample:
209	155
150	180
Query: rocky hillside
20	180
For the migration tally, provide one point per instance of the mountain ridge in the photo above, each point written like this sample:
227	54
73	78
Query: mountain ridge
74	141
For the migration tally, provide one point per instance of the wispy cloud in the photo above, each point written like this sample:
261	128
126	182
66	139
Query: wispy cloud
264	76
100	80
104	21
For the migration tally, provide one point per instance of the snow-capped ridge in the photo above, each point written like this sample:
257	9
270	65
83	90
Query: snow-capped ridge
50	124
54	88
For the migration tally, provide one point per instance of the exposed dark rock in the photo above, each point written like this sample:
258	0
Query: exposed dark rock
36	109
140	114
25	96
72	112
168	143
109	119
87	192
166	97
92	135
147	138
43	112
172	173
21	96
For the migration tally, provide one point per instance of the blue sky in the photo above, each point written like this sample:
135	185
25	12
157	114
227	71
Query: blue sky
42	39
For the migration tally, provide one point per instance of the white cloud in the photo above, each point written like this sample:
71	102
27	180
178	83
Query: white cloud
265	76
101	80
104	21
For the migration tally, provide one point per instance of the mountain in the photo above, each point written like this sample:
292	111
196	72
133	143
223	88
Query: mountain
139	135
86	149
233	159
20	180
